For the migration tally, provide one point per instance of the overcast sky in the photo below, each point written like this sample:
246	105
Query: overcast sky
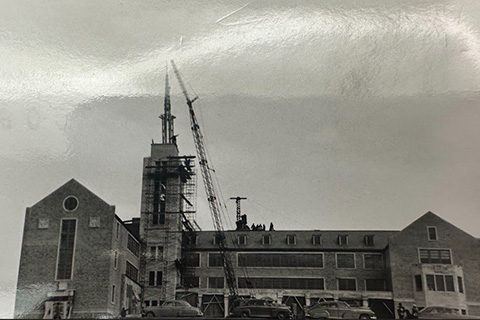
326	114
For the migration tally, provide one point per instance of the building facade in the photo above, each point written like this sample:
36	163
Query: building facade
429	263
78	258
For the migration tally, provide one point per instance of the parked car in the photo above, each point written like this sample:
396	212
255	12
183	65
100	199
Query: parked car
173	308
260	308
338	310
443	313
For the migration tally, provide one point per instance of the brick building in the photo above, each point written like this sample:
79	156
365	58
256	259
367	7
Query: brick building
78	258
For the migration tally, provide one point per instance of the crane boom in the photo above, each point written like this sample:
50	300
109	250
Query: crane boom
213	201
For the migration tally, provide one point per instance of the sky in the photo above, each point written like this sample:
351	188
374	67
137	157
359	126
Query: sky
328	114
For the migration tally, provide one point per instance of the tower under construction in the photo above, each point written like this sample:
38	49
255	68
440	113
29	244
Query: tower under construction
167	209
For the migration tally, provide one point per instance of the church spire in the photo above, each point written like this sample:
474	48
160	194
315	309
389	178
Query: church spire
168	135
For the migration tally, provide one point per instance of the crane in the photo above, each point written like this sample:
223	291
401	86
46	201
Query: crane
213	201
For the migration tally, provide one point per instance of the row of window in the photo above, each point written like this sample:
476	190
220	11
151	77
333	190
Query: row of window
291	239
314	260
343	284
373	261
439	282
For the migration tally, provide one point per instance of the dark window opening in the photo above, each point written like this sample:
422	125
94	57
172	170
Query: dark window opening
65	252
440	284
435	256
266	239
347	284
280	260
450	287
342	239
191	282
154	303
282	283
291	239
317	239
192	260
215	260
418	283
430	282
159	278
432	233
216	282
133	246
345	260
373	261
460	284
151	278
375	285
242	240
369	240
70	203
131	271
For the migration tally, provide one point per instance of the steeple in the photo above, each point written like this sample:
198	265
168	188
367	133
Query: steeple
168	135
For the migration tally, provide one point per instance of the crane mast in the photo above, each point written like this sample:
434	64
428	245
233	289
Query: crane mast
213	201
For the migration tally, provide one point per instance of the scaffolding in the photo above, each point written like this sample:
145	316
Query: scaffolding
170	181
169	207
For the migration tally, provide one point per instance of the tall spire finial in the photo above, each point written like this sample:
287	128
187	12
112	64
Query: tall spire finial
168	135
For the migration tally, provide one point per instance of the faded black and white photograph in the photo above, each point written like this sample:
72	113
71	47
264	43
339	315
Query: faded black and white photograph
243	159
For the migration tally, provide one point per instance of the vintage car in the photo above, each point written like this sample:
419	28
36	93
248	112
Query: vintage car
173	308
443	313
260	308
338	310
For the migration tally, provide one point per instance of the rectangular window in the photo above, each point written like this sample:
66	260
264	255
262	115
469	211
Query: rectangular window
430	282
153	252
133	245
215	260
347	284
216	282
418	283
147	303
115	260
151	278
460	284
439	282
154	303
242	240
317	239
131	271
113	294
66	249
435	256
192	260
345	260
282	283
160	253
342	239
373	261
159	278
266	239
281	260
291	239
375	285
191	282
217	238
432	233
369	240
449	284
